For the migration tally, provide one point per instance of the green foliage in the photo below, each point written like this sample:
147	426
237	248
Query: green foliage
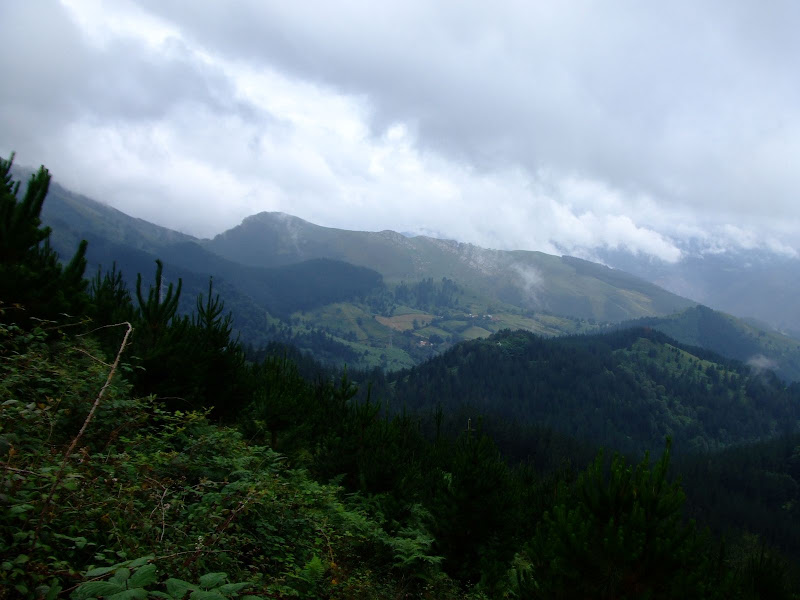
148	482
730	337
31	277
156	314
755	487
476	510
138	578
109	304
760	571
427	294
45	386
110	298
359	503
191	363
621	535
626	390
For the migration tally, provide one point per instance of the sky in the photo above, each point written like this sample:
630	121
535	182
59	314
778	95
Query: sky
567	127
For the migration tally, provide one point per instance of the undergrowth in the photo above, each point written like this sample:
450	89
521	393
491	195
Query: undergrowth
151	503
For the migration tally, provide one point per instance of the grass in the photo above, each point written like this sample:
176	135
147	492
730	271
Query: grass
406	321
475	332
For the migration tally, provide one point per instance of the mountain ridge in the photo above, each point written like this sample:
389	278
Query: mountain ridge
496	289
626	389
748	283
531	279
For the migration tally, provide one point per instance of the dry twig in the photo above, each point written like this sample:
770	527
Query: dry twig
75	440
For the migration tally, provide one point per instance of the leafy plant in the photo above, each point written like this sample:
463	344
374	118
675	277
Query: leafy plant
138	579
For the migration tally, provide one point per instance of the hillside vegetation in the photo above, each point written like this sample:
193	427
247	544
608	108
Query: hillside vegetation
258	273
144	455
267	271
731	337
628	390
530	280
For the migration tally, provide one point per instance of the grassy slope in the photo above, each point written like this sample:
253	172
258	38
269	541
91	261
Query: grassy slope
732	337
560	285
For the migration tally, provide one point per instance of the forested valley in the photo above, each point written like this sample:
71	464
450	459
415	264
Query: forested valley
148	453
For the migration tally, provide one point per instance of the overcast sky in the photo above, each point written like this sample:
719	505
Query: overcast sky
556	126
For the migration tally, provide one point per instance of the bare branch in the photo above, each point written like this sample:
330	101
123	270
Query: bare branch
75	440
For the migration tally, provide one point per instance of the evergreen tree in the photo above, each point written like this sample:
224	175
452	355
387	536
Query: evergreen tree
620	535
216	360
160	342
31	277
475	510
109	303
192	363
156	314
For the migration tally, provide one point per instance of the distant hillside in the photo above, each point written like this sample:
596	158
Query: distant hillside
290	281
747	283
73	217
731	337
286	279
134	244
531	280
285	289
258	298
627	390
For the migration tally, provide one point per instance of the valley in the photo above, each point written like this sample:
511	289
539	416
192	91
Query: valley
397	409
356	293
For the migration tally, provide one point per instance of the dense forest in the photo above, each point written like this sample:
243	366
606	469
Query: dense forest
627	389
147	453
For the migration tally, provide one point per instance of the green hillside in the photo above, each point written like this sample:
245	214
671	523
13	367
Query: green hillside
73	217
530	280
291	281
627	390
286	280
760	348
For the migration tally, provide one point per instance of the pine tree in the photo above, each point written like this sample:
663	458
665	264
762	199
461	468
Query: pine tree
474	509
620	535
109	303
157	313
110	299
160	341
31	277
217	360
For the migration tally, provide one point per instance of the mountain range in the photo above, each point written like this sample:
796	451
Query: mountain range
386	299
753	284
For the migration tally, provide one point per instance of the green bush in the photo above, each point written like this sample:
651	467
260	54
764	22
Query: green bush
143	481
